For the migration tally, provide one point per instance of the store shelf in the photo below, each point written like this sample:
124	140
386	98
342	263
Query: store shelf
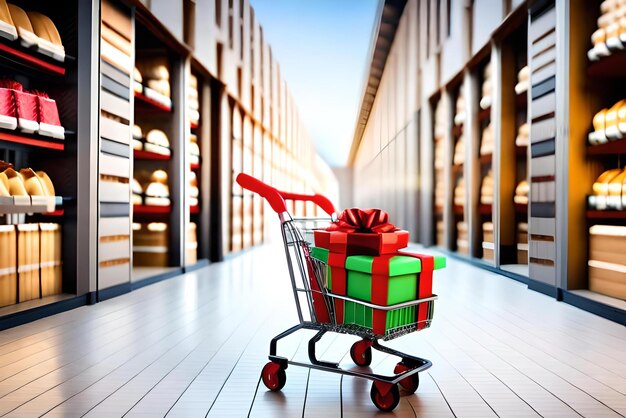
14	55
56	213
484	114
611	66
486	159
151	210
147	155
29	204
610	148
485	209
32	140
143	100
606	214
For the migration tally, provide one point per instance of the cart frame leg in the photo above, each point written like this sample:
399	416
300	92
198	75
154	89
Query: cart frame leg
411	361
312	356
274	344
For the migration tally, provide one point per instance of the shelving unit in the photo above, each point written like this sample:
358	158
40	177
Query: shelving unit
460	241
159	229
483	241
603	87
514	148
440	160
42	229
196	248
94	166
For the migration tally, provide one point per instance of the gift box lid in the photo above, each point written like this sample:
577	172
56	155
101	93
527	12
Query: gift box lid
401	264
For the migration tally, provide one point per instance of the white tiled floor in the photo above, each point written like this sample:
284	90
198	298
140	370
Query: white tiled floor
195	346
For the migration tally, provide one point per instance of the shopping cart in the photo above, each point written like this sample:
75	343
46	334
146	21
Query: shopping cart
308	279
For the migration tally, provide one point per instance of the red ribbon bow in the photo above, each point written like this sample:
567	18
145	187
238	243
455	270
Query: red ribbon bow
363	220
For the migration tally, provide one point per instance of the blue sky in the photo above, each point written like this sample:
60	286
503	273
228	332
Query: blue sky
321	47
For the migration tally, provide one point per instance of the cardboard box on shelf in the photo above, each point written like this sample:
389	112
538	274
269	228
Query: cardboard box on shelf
488	251
607	279
50	260
522	233
607	243
488	232
28	262
8	266
151	245
522	253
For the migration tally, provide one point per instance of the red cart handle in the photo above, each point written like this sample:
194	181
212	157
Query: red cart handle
318	199
276	198
266	191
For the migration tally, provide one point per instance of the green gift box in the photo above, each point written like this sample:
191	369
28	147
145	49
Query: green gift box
383	280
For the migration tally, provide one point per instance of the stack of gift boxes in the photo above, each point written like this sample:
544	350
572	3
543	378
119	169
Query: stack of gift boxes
362	251
30	262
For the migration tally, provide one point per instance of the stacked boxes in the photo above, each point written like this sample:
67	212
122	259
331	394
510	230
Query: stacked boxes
8	266
30	262
382	280
607	264
150	245
369	267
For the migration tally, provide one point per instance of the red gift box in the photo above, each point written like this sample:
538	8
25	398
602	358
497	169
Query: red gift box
359	243
362	232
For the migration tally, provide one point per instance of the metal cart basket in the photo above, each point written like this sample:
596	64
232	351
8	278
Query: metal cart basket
308	278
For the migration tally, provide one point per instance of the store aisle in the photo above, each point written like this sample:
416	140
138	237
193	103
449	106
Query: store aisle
195	345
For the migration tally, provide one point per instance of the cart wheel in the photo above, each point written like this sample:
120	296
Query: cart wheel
274	376
410	383
388	401
361	353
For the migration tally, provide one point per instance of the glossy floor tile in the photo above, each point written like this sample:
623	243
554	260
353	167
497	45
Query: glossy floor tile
194	346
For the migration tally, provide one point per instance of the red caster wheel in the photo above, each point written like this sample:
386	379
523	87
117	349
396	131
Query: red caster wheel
274	376
385	396
409	383
361	353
